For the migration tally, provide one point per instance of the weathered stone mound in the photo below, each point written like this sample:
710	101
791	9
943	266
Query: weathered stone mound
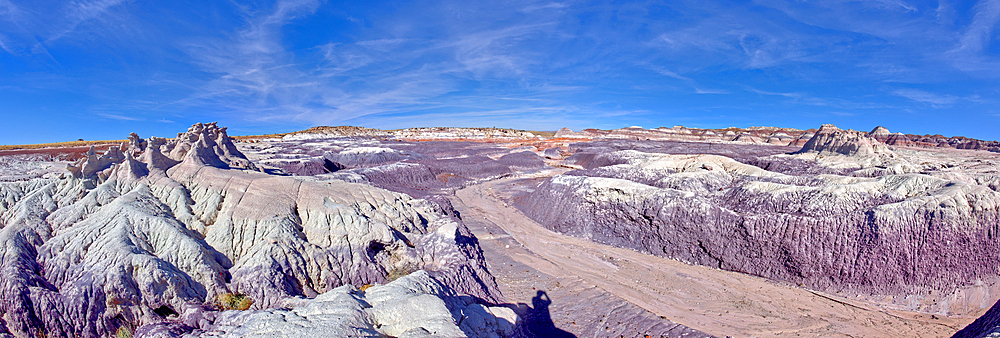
832	140
932	141
205	144
880	133
894	235
568	133
849	151
369	156
166	227
412	306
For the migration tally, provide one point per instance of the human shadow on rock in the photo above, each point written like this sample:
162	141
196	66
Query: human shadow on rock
538	320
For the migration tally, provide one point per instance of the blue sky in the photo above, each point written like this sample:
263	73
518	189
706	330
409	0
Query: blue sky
98	69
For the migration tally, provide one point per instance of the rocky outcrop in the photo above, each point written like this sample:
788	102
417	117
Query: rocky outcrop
206	144
832	140
567	133
415	305
880	133
167	225
95	166
898	139
747	138
802	139
888	236
850	149
780	138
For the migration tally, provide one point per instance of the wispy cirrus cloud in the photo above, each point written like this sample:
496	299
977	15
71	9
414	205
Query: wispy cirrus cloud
926	97
119	117
297	63
970	54
360	78
710	91
551	5
78	12
763	92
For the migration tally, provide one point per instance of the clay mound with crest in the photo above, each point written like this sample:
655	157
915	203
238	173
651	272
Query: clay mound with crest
148	236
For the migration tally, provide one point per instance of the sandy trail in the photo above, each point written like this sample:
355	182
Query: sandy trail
714	301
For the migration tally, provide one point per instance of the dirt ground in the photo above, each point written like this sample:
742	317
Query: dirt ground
578	274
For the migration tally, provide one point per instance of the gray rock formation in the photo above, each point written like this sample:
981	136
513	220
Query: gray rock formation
860	152
747	138
832	140
166	226
880	133
412	306
95	166
568	133
888	235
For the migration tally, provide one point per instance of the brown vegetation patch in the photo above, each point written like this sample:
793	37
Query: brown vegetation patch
232	301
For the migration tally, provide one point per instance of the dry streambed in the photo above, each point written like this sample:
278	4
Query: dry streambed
710	300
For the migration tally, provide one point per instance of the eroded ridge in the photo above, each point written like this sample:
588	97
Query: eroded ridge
148	235
894	227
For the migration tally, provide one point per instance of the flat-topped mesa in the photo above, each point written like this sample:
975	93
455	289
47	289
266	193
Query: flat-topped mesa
832	140
455	133
323	132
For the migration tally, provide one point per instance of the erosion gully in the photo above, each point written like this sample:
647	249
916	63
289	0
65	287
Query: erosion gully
572	286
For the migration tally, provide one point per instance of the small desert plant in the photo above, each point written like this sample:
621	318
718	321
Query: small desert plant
230	301
400	271
123	332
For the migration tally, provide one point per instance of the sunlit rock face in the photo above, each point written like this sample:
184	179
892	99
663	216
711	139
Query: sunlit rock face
830	139
917	240
155	232
412	306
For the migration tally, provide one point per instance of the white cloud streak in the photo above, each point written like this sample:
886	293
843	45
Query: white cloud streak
78	12
926	97
761	92
118	117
